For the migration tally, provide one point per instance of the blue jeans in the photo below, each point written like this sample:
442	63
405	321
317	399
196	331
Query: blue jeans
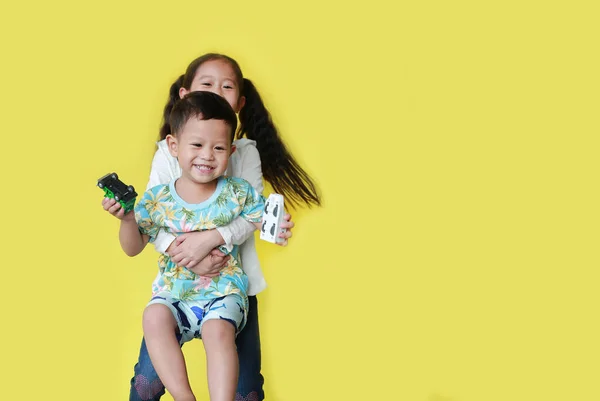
146	386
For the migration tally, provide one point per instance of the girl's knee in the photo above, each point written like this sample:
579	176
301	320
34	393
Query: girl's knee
146	387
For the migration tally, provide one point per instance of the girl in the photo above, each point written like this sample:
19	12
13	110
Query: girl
259	152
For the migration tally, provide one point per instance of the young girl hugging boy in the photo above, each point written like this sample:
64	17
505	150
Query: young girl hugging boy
184	305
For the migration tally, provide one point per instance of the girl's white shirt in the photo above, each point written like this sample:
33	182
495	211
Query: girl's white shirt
243	163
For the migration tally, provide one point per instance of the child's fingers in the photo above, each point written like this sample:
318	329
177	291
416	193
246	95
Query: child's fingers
222	260
177	258
179	239
285	234
107	203
121	213
111	206
114	208
219	262
287	222
216	252
225	261
287	225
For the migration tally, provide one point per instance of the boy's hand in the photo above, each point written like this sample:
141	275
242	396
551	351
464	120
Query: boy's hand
113	207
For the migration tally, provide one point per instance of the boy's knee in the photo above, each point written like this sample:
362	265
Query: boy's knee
218	330
156	316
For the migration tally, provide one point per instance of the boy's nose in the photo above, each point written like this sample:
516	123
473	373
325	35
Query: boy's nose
206	153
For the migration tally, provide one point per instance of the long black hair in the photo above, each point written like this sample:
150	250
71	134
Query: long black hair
279	167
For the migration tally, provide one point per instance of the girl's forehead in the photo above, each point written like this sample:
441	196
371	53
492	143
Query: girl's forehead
219	68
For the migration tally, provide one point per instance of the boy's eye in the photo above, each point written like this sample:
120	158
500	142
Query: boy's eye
198	145
228	86
219	148
205	84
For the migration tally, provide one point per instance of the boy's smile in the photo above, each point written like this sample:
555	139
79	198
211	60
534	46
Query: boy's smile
202	149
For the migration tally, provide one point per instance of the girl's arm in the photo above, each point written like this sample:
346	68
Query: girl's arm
239	230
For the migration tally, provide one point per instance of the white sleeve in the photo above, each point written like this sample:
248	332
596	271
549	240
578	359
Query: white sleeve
161	172
239	230
251	169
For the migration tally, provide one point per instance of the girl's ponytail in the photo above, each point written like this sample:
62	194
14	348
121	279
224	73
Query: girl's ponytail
165	129
279	167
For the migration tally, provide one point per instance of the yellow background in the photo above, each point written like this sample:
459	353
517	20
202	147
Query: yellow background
456	147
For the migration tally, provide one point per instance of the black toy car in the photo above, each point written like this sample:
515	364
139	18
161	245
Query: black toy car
115	188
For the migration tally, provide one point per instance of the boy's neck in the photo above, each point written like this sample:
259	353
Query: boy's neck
193	192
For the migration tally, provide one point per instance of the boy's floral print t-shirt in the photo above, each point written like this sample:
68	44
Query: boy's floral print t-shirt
162	209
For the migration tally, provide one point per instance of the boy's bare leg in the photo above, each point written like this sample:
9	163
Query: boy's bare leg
166	355
218	337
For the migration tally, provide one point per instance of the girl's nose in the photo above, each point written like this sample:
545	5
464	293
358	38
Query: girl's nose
218	91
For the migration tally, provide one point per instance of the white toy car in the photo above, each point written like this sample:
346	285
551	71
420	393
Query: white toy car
272	219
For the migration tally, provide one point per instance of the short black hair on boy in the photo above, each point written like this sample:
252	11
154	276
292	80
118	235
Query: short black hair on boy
205	106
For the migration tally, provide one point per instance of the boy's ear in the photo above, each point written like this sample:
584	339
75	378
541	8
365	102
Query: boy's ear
233	148
172	145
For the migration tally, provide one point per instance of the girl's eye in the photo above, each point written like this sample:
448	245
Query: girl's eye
205	84
198	145
228	87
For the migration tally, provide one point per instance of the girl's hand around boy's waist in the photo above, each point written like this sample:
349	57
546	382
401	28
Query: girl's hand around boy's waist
196	251
212	264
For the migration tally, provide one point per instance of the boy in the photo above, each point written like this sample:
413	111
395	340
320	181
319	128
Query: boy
185	305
